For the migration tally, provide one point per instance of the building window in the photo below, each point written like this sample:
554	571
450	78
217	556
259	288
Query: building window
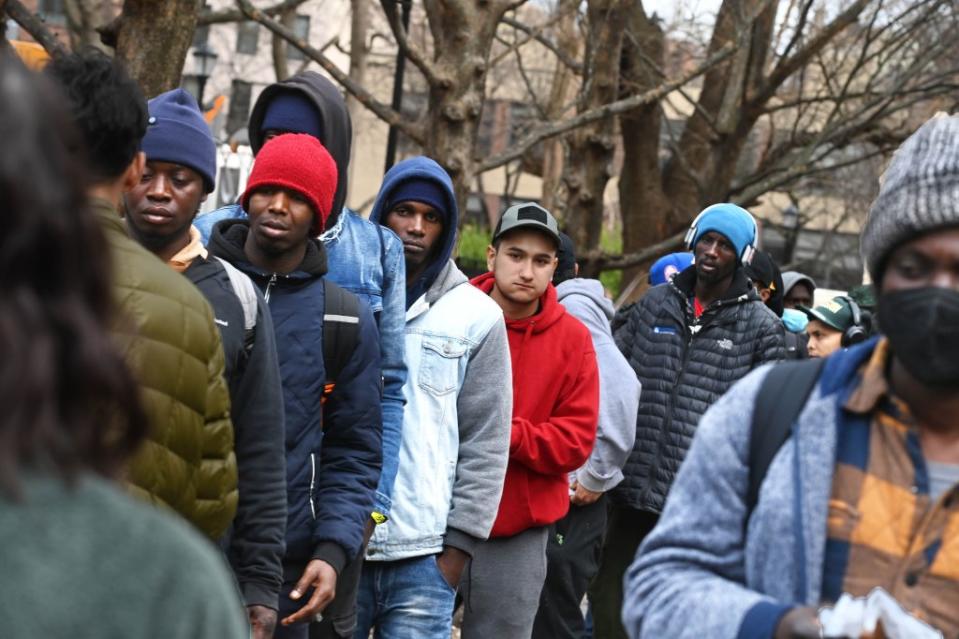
301	27
52	11
236	119
201	35
247	37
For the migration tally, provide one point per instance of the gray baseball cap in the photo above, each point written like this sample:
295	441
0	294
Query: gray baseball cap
531	215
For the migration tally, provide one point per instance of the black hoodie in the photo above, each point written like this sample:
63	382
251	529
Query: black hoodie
337	126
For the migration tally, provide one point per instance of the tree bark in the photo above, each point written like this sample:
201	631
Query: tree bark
84	18
643	205
463	32
153	39
281	62
590	148
359	50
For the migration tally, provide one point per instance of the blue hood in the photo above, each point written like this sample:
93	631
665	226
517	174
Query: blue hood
420	167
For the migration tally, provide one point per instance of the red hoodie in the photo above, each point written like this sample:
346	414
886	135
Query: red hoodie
555	411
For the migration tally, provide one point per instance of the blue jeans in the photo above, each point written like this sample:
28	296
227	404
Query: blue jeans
403	599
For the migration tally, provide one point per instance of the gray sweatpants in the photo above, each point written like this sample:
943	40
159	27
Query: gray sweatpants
501	593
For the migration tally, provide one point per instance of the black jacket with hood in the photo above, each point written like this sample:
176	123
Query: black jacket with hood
254	544
685	364
337	128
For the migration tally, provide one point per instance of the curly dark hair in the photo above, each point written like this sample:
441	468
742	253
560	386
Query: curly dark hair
69	403
107	106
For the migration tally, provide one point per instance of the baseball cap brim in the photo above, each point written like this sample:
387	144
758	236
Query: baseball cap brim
829	319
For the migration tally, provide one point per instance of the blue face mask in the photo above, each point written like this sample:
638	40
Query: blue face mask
795	321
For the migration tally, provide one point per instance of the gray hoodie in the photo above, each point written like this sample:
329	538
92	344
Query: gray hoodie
618	387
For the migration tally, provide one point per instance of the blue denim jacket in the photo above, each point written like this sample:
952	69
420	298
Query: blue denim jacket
381	283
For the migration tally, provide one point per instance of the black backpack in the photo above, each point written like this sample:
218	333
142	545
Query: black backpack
781	398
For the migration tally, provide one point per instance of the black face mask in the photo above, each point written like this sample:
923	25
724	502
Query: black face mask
922	325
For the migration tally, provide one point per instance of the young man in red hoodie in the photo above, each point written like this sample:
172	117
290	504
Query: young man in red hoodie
555	411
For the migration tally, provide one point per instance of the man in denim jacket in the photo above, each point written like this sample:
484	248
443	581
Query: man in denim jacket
363	258
457	424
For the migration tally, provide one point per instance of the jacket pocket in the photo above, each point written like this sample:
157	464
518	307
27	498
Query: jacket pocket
439	365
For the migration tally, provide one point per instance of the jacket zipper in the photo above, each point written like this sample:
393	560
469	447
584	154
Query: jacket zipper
269	285
312	481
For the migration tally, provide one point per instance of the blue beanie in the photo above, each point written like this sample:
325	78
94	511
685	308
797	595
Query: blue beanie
665	267
177	133
293	112
732	222
423	190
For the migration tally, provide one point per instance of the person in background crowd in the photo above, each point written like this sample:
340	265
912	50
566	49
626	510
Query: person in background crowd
839	323
665	268
876	441
688	342
768	281
180	170
365	259
166	328
333	442
456	437
798	290
555	410
72	415
577	539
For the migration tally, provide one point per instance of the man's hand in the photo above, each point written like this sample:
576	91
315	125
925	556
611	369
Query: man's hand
262	621
451	563
798	623
320	576
582	496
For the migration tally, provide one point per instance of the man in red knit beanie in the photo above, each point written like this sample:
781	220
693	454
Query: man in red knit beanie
555	412
333	449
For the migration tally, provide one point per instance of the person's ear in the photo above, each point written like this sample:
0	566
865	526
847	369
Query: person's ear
131	177
490	257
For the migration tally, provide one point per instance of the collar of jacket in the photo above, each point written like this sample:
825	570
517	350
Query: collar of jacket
550	310
229	237
740	289
107	214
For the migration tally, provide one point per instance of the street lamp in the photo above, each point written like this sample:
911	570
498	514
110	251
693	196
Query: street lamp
205	62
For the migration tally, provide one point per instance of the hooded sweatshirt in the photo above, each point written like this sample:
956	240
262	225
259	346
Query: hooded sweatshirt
555	411
421	167
619	388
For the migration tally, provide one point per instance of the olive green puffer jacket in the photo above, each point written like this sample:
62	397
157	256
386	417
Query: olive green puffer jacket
165	329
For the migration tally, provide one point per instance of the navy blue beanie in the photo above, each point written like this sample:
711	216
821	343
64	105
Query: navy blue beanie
422	190
732	222
293	112
177	133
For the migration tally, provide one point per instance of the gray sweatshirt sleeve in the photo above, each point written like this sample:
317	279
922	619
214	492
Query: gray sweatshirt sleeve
619	392
485	407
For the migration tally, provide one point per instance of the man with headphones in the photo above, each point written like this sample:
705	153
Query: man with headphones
687	341
839	323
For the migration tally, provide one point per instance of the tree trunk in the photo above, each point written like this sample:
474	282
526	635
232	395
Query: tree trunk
645	208
569	40
359	51
279	47
153	39
591	147
84	17
463	32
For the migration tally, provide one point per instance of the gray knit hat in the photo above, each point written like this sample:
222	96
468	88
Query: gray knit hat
918	193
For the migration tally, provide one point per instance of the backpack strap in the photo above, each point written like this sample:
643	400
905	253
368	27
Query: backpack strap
781	398
244	291
341	331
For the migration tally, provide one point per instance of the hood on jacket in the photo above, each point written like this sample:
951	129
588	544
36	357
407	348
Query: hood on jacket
600	309
421	167
337	126
229	237
550	310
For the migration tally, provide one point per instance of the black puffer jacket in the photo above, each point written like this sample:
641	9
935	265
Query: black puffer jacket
685	364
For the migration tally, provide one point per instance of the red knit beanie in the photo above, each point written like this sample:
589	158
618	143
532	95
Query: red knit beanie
298	162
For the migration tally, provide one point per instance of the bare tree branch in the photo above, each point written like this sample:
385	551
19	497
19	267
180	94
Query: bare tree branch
552	129
364	97
209	16
35	26
536	33
412	53
605	262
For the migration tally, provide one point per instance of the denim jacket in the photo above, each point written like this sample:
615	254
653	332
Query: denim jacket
455	443
381	283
